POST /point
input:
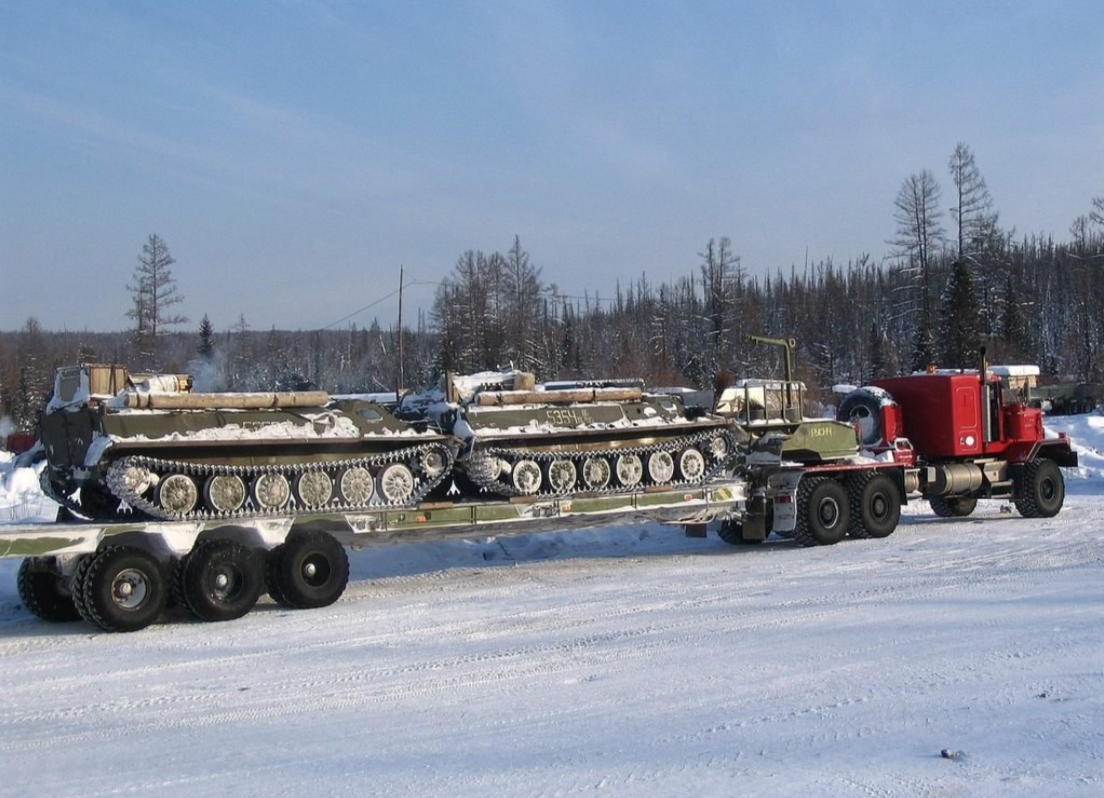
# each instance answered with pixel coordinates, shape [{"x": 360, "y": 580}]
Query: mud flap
[
  {"x": 755, "y": 523},
  {"x": 695, "y": 530}
]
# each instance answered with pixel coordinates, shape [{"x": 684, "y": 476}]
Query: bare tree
[
  {"x": 980, "y": 240},
  {"x": 919, "y": 231},
  {"x": 34, "y": 374},
  {"x": 722, "y": 281},
  {"x": 919, "y": 237},
  {"x": 973, "y": 210},
  {"x": 523, "y": 300},
  {"x": 153, "y": 292},
  {"x": 1096, "y": 215}
]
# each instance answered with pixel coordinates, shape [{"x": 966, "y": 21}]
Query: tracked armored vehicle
[
  {"x": 770, "y": 411},
  {"x": 588, "y": 437},
  {"x": 120, "y": 444}
]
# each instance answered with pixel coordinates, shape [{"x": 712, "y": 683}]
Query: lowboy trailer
[{"x": 121, "y": 576}]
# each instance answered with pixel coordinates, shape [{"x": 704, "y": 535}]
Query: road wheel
[
  {"x": 823, "y": 512},
  {"x": 562, "y": 475},
  {"x": 396, "y": 483},
  {"x": 219, "y": 580},
  {"x": 630, "y": 470},
  {"x": 661, "y": 467},
  {"x": 875, "y": 505},
  {"x": 596, "y": 473},
  {"x": 952, "y": 506},
  {"x": 224, "y": 493},
  {"x": 526, "y": 477},
  {"x": 43, "y": 591},
  {"x": 356, "y": 485},
  {"x": 1042, "y": 489},
  {"x": 122, "y": 589},
  {"x": 312, "y": 489},
  {"x": 270, "y": 492},
  {"x": 177, "y": 494},
  {"x": 309, "y": 570},
  {"x": 692, "y": 465}
]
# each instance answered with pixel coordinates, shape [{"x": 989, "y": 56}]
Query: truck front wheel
[
  {"x": 823, "y": 512},
  {"x": 1042, "y": 491}
]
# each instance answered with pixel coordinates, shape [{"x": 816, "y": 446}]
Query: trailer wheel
[
  {"x": 1042, "y": 489},
  {"x": 309, "y": 570},
  {"x": 43, "y": 592},
  {"x": 875, "y": 505},
  {"x": 271, "y": 568},
  {"x": 122, "y": 589},
  {"x": 823, "y": 512},
  {"x": 952, "y": 506},
  {"x": 219, "y": 580},
  {"x": 76, "y": 582}
]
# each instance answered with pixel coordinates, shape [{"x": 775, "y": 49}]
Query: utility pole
[{"x": 401, "y": 376}]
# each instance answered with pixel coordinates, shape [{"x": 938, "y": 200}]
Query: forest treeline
[{"x": 938, "y": 298}]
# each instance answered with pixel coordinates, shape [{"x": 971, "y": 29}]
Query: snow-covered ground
[{"x": 627, "y": 660}]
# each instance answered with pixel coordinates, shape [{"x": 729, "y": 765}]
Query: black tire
[
  {"x": 122, "y": 589},
  {"x": 862, "y": 408},
  {"x": 272, "y": 583},
  {"x": 952, "y": 506},
  {"x": 44, "y": 593},
  {"x": 732, "y": 533},
  {"x": 823, "y": 512},
  {"x": 1042, "y": 490},
  {"x": 308, "y": 570},
  {"x": 219, "y": 580},
  {"x": 875, "y": 505},
  {"x": 76, "y": 583}
]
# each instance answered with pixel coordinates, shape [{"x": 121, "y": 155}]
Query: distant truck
[{"x": 1058, "y": 399}]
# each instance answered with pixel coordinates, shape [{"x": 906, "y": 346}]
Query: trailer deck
[{"x": 690, "y": 507}]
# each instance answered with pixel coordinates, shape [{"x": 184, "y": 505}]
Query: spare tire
[{"x": 863, "y": 408}]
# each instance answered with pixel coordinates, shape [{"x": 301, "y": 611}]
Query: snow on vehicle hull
[{"x": 177, "y": 455}]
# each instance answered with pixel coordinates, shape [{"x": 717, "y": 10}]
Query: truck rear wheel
[
  {"x": 823, "y": 512},
  {"x": 952, "y": 506},
  {"x": 219, "y": 580},
  {"x": 875, "y": 505},
  {"x": 122, "y": 589},
  {"x": 1042, "y": 489},
  {"x": 42, "y": 591},
  {"x": 308, "y": 570}
]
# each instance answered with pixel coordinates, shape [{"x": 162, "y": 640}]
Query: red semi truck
[{"x": 948, "y": 437}]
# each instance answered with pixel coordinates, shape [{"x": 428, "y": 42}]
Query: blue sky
[{"x": 293, "y": 154}]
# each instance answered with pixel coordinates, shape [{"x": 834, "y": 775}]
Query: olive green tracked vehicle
[
  {"x": 770, "y": 411},
  {"x": 124, "y": 444},
  {"x": 584, "y": 437}
]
